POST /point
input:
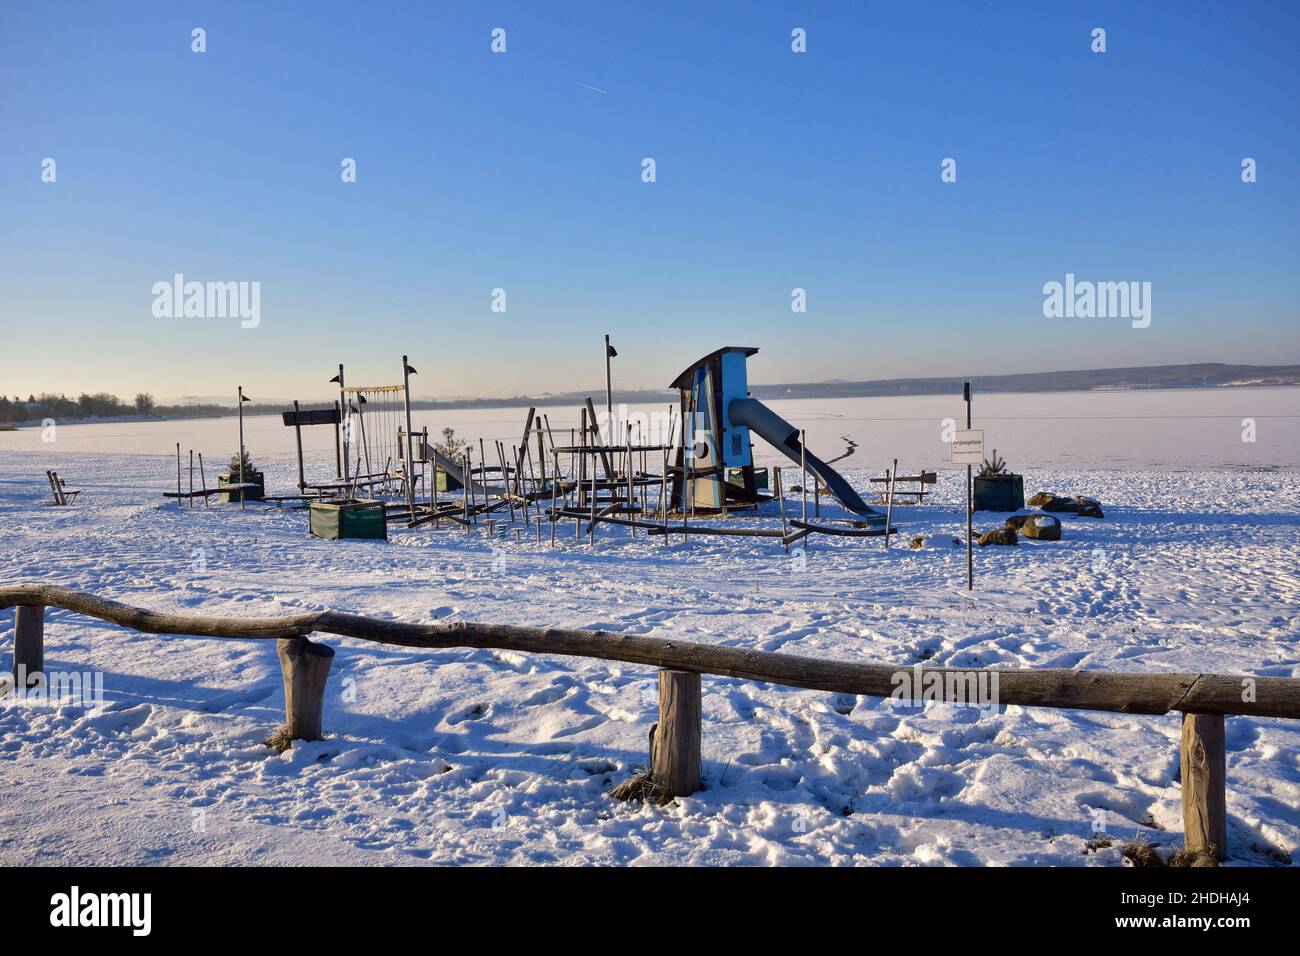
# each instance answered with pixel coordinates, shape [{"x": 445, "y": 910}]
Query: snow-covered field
[{"x": 482, "y": 757}]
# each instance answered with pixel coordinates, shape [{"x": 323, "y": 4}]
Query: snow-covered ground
[{"x": 467, "y": 756}]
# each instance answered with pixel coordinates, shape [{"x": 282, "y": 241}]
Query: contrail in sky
[{"x": 585, "y": 86}]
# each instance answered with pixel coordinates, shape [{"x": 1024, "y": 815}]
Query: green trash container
[
  {"x": 999, "y": 493},
  {"x": 335, "y": 518},
  {"x": 250, "y": 478}
]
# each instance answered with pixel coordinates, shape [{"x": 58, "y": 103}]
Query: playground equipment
[
  {"x": 662, "y": 479},
  {"x": 297, "y": 418},
  {"x": 228, "y": 490},
  {"x": 368, "y": 423},
  {"x": 712, "y": 469},
  {"x": 372, "y": 419},
  {"x": 242, "y": 483},
  {"x": 715, "y": 401}
]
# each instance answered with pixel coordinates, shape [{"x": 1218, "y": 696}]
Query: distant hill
[{"x": 1207, "y": 375}]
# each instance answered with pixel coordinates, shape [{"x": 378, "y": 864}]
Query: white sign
[{"x": 968, "y": 447}]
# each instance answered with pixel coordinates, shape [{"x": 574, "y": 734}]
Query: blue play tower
[{"x": 715, "y": 400}]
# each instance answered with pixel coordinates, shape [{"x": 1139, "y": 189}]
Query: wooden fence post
[
  {"x": 305, "y": 666},
  {"x": 675, "y": 757},
  {"x": 1203, "y": 759},
  {"x": 29, "y": 644}
]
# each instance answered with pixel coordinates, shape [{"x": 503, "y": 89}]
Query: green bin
[
  {"x": 999, "y": 493},
  {"x": 250, "y": 478},
  {"x": 336, "y": 518}
]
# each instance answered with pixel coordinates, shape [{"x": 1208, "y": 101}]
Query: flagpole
[
  {"x": 609, "y": 388},
  {"x": 343, "y": 407},
  {"x": 241, "y": 447},
  {"x": 406, "y": 395}
]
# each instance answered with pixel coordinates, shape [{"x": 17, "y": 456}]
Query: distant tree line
[
  {"x": 60, "y": 407},
  {"x": 14, "y": 409}
]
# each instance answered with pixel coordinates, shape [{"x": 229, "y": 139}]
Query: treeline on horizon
[{"x": 35, "y": 408}]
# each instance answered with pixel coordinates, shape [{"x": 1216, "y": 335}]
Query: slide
[
  {"x": 784, "y": 437},
  {"x": 455, "y": 471}
]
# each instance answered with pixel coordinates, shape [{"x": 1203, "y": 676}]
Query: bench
[
  {"x": 63, "y": 495},
  {"x": 918, "y": 493}
]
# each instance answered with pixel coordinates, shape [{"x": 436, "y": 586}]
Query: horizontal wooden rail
[
  {"x": 1056, "y": 688},
  {"x": 1203, "y": 699}
]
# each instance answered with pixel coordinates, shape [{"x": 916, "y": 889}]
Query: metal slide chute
[
  {"x": 457, "y": 473},
  {"x": 781, "y": 435}
]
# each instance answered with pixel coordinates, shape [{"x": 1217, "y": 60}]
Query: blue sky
[{"x": 775, "y": 170}]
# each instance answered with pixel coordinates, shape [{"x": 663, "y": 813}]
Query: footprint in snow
[
  {"x": 549, "y": 695},
  {"x": 223, "y": 701},
  {"x": 472, "y": 712},
  {"x": 120, "y": 721}
]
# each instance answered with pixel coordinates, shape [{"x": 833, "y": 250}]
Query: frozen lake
[{"x": 1157, "y": 430}]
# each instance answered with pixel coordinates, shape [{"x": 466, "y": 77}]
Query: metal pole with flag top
[
  {"x": 242, "y": 398},
  {"x": 342, "y": 467},
  {"x": 610, "y": 352},
  {"x": 407, "y": 372}
]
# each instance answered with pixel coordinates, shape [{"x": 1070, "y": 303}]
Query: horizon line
[{"x": 1293, "y": 369}]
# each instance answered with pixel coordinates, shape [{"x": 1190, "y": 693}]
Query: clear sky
[{"x": 523, "y": 171}]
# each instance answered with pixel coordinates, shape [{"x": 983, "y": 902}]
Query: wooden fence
[{"x": 1203, "y": 699}]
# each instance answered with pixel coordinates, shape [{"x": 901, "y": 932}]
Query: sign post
[
  {"x": 968, "y": 449},
  {"x": 970, "y": 534},
  {"x": 312, "y": 416}
]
